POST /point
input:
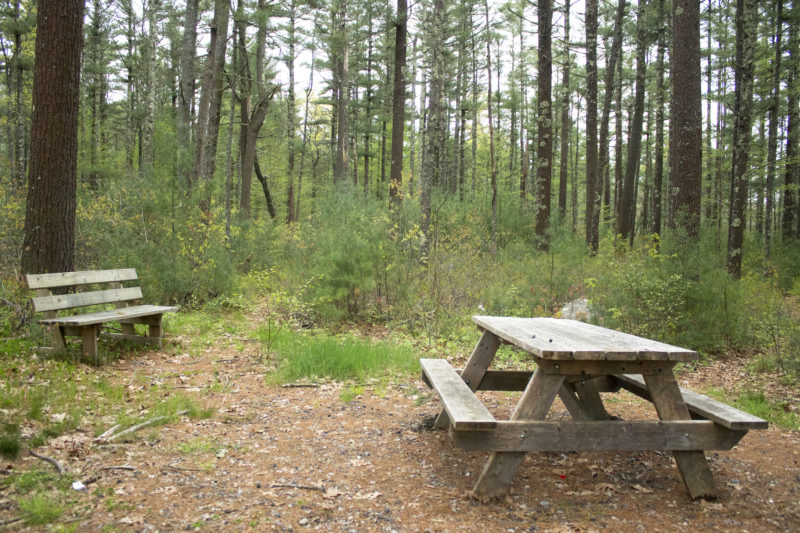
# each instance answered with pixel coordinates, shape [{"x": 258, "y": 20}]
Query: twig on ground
[
  {"x": 137, "y": 427},
  {"x": 50, "y": 460},
  {"x": 9, "y": 521},
  {"x": 186, "y": 468},
  {"x": 226, "y": 360},
  {"x": 300, "y": 385},
  {"x": 297, "y": 486},
  {"x": 121, "y": 467},
  {"x": 110, "y": 431}
]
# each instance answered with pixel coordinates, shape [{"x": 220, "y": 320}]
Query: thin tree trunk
[
  {"x": 746, "y": 27},
  {"x": 544, "y": 152},
  {"x": 658, "y": 171},
  {"x": 625, "y": 224},
  {"x": 592, "y": 181},
  {"x": 186, "y": 93},
  {"x": 566, "y": 126},
  {"x": 492, "y": 162}
]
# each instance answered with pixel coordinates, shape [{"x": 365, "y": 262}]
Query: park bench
[
  {"x": 578, "y": 361},
  {"x": 87, "y": 325}
]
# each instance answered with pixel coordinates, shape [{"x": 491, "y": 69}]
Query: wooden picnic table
[{"x": 578, "y": 361}]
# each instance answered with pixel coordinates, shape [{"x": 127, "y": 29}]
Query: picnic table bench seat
[
  {"x": 578, "y": 361},
  {"x": 87, "y": 324}
]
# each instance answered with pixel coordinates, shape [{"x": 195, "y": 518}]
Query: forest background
[{"x": 406, "y": 159}]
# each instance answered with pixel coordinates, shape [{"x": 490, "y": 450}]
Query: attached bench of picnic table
[
  {"x": 88, "y": 325},
  {"x": 578, "y": 361}
]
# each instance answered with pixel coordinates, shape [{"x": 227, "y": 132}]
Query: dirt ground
[{"x": 303, "y": 458}]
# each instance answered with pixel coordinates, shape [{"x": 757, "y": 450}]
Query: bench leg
[
  {"x": 692, "y": 465},
  {"x": 475, "y": 368},
  {"x": 534, "y": 404},
  {"x": 155, "y": 330},
  {"x": 56, "y": 336},
  {"x": 89, "y": 336}
]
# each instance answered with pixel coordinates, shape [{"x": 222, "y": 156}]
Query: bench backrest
[{"x": 46, "y": 302}]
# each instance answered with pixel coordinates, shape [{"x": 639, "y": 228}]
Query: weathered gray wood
[
  {"x": 464, "y": 409},
  {"x": 82, "y": 299},
  {"x": 111, "y": 315},
  {"x": 692, "y": 465},
  {"x": 579, "y": 436},
  {"x": 561, "y": 339},
  {"x": 571, "y": 402},
  {"x": 474, "y": 370},
  {"x": 89, "y": 337},
  {"x": 592, "y": 368},
  {"x": 590, "y": 399},
  {"x": 706, "y": 407},
  {"x": 127, "y": 328},
  {"x": 501, "y": 466},
  {"x": 54, "y": 333},
  {"x": 67, "y": 279}
]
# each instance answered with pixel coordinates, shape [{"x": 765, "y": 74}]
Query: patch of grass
[
  {"x": 350, "y": 393},
  {"x": 40, "y": 509},
  {"x": 756, "y": 403},
  {"x": 10, "y": 444},
  {"x": 200, "y": 446},
  {"x": 339, "y": 358},
  {"x": 180, "y": 402}
]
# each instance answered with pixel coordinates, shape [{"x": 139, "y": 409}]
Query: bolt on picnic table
[{"x": 578, "y": 361}]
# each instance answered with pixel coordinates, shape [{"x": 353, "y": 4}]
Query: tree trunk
[
  {"x": 291, "y": 112},
  {"x": 186, "y": 92},
  {"x": 492, "y": 162},
  {"x": 544, "y": 151},
  {"x": 625, "y": 224},
  {"x": 592, "y": 182},
  {"x": 398, "y": 101},
  {"x": 746, "y": 27},
  {"x": 566, "y": 125},
  {"x": 611, "y": 66},
  {"x": 148, "y": 132},
  {"x": 342, "y": 65},
  {"x": 49, "y": 244},
  {"x": 791, "y": 174},
  {"x": 686, "y": 150},
  {"x": 658, "y": 170}
]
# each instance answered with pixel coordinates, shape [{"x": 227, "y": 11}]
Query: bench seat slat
[
  {"x": 81, "y": 299},
  {"x": 699, "y": 404},
  {"x": 465, "y": 410},
  {"x": 85, "y": 277},
  {"x": 108, "y": 316}
]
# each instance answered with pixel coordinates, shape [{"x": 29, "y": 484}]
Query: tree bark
[
  {"x": 49, "y": 244},
  {"x": 592, "y": 182},
  {"x": 686, "y": 150},
  {"x": 658, "y": 170},
  {"x": 186, "y": 92},
  {"x": 566, "y": 124},
  {"x": 398, "y": 101},
  {"x": 544, "y": 151},
  {"x": 746, "y": 27},
  {"x": 625, "y": 223}
]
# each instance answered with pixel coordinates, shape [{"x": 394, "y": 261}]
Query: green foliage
[
  {"x": 40, "y": 509},
  {"x": 324, "y": 356},
  {"x": 671, "y": 291}
]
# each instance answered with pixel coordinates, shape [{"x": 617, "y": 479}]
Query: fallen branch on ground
[
  {"x": 297, "y": 486},
  {"x": 50, "y": 460},
  {"x": 137, "y": 427}
]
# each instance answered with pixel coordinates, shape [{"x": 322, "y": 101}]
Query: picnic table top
[{"x": 560, "y": 339}]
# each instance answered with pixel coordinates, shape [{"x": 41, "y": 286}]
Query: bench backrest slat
[
  {"x": 81, "y": 299},
  {"x": 86, "y": 277}
]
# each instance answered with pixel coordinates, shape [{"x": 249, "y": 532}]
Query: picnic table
[{"x": 578, "y": 361}]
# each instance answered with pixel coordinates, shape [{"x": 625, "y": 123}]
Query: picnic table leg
[
  {"x": 692, "y": 465},
  {"x": 475, "y": 368},
  {"x": 590, "y": 399},
  {"x": 534, "y": 404}
]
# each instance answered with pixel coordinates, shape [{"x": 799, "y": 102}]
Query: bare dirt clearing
[{"x": 290, "y": 459}]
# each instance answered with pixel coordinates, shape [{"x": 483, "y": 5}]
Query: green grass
[
  {"x": 756, "y": 403},
  {"x": 324, "y": 356},
  {"x": 40, "y": 509}
]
